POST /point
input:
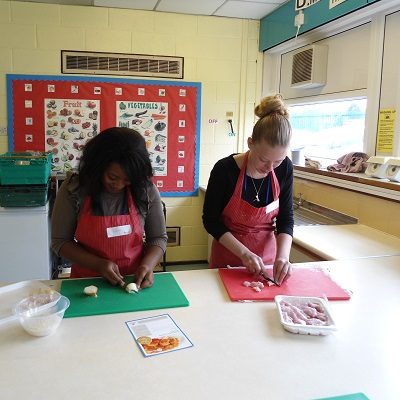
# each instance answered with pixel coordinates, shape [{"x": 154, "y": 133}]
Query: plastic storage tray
[
  {"x": 25, "y": 168},
  {"x": 24, "y": 195},
  {"x": 306, "y": 329}
]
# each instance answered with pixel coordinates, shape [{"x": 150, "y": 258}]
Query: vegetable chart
[{"x": 61, "y": 114}]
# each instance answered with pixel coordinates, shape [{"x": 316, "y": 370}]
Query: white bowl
[{"x": 41, "y": 315}]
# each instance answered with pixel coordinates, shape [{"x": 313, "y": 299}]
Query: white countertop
[
  {"x": 337, "y": 242},
  {"x": 240, "y": 349}
]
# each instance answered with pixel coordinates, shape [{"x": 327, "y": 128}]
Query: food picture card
[{"x": 158, "y": 335}]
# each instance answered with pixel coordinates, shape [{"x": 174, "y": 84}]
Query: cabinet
[{"x": 24, "y": 243}]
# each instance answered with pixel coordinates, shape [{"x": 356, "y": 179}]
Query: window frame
[
  {"x": 328, "y": 99},
  {"x": 376, "y": 16}
]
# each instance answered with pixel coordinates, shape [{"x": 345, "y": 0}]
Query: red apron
[
  {"x": 252, "y": 226},
  {"x": 107, "y": 237}
]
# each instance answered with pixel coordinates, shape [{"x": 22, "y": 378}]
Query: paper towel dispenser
[
  {"x": 377, "y": 167},
  {"x": 393, "y": 169}
]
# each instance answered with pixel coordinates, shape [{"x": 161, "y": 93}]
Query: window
[{"x": 327, "y": 130}]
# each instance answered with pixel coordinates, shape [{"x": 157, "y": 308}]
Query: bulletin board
[{"x": 60, "y": 114}]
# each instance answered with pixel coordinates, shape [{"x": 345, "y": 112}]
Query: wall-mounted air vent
[
  {"x": 309, "y": 67},
  {"x": 78, "y": 62}
]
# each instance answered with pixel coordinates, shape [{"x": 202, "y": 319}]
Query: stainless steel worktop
[{"x": 307, "y": 213}]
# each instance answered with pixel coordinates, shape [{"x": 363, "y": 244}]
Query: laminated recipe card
[{"x": 158, "y": 335}]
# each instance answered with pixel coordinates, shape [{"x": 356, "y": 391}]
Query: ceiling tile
[
  {"x": 244, "y": 9},
  {"x": 252, "y": 9},
  {"x": 62, "y": 2},
  {"x": 201, "y": 7},
  {"x": 275, "y": 2},
  {"x": 134, "y": 4}
]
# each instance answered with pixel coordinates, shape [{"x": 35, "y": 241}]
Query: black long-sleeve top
[{"x": 221, "y": 186}]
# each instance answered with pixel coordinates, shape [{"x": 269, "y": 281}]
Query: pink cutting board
[{"x": 302, "y": 282}]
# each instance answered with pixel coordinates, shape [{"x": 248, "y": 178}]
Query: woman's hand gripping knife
[
  {"x": 255, "y": 265},
  {"x": 252, "y": 262},
  {"x": 110, "y": 271},
  {"x": 79, "y": 255},
  {"x": 144, "y": 276}
]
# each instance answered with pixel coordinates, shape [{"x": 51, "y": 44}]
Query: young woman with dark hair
[{"x": 108, "y": 219}]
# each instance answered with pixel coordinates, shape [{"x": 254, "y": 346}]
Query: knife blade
[{"x": 267, "y": 278}]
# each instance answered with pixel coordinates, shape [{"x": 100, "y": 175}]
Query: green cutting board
[
  {"x": 164, "y": 293},
  {"x": 353, "y": 396}
]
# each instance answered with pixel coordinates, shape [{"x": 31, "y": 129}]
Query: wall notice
[
  {"x": 302, "y": 4},
  {"x": 384, "y": 142},
  {"x": 60, "y": 114}
]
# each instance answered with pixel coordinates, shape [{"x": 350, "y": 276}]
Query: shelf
[{"x": 351, "y": 181}]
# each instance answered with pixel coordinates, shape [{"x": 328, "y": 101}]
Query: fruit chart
[{"x": 60, "y": 114}]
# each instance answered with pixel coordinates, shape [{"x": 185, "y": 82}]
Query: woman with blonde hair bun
[{"x": 248, "y": 206}]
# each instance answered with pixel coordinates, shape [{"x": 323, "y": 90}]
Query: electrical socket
[{"x": 299, "y": 19}]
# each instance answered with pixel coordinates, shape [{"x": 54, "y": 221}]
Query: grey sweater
[{"x": 68, "y": 205}]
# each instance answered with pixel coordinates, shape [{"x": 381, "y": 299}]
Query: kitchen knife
[
  {"x": 126, "y": 286},
  {"x": 262, "y": 273},
  {"x": 267, "y": 278}
]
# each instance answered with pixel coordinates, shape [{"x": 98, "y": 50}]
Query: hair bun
[{"x": 270, "y": 105}]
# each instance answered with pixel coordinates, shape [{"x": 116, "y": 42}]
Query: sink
[{"x": 313, "y": 214}]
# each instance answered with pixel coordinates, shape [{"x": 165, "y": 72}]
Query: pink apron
[
  {"x": 107, "y": 237},
  {"x": 252, "y": 226}
]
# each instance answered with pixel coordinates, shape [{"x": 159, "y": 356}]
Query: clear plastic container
[
  {"x": 41, "y": 315},
  {"x": 12, "y": 294},
  {"x": 312, "y": 325}
]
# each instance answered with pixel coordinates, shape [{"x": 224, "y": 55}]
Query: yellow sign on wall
[{"x": 384, "y": 141}]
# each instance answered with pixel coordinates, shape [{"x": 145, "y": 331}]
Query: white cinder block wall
[{"x": 221, "y": 53}]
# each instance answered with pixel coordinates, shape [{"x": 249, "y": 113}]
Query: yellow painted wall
[
  {"x": 371, "y": 211},
  {"x": 221, "y": 53}
]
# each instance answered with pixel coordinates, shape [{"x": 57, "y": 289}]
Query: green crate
[
  {"x": 25, "y": 168},
  {"x": 24, "y": 195}
]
